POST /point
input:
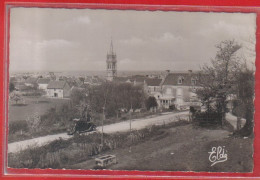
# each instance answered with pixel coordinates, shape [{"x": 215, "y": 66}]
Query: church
[{"x": 111, "y": 64}]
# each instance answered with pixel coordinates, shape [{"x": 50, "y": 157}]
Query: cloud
[
  {"x": 54, "y": 43},
  {"x": 132, "y": 41},
  {"x": 167, "y": 36}
]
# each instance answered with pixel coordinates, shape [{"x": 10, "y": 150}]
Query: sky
[{"x": 51, "y": 39}]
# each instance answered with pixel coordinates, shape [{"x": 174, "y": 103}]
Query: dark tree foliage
[
  {"x": 113, "y": 96},
  {"x": 218, "y": 80},
  {"x": 77, "y": 95},
  {"x": 150, "y": 103},
  {"x": 245, "y": 102},
  {"x": 11, "y": 87}
]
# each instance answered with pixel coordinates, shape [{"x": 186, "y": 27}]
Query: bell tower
[{"x": 111, "y": 63}]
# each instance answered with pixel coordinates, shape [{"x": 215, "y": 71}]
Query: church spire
[{"x": 111, "y": 46}]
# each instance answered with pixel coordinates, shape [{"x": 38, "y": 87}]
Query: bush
[
  {"x": 16, "y": 126},
  {"x": 208, "y": 118}
]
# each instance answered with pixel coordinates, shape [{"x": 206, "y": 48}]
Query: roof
[
  {"x": 43, "y": 81},
  {"x": 121, "y": 79},
  {"x": 153, "y": 82},
  {"x": 56, "y": 84},
  {"x": 138, "y": 78},
  {"x": 31, "y": 80},
  {"x": 172, "y": 78}
]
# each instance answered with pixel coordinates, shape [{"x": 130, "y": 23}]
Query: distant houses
[
  {"x": 58, "y": 89},
  {"x": 43, "y": 83},
  {"x": 30, "y": 81},
  {"x": 170, "y": 89}
]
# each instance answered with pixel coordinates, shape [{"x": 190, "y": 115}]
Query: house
[
  {"x": 179, "y": 89},
  {"x": 31, "y": 81},
  {"x": 152, "y": 85},
  {"x": 58, "y": 89},
  {"x": 93, "y": 80},
  {"x": 43, "y": 83},
  {"x": 137, "y": 80}
]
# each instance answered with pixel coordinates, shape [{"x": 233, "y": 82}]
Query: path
[
  {"x": 233, "y": 120},
  {"x": 112, "y": 128}
]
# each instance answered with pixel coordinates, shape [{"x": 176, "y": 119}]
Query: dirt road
[{"x": 112, "y": 128}]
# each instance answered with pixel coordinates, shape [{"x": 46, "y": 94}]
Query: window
[
  {"x": 193, "y": 81},
  {"x": 180, "y": 80}
]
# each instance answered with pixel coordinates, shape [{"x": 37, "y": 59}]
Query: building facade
[
  {"x": 43, "y": 83},
  {"x": 58, "y": 89},
  {"x": 176, "y": 89},
  {"x": 111, "y": 64},
  {"x": 179, "y": 89}
]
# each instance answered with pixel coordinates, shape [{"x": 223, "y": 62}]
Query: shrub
[
  {"x": 208, "y": 118},
  {"x": 16, "y": 126}
]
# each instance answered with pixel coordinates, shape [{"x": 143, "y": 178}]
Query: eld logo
[{"x": 217, "y": 155}]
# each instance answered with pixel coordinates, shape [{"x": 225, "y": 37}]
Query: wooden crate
[{"x": 106, "y": 160}]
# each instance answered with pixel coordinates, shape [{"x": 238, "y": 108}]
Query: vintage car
[{"x": 81, "y": 126}]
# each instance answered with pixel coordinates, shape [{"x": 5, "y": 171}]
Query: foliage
[
  {"x": 77, "y": 95},
  {"x": 11, "y": 87},
  {"x": 114, "y": 96},
  {"x": 219, "y": 79},
  {"x": 16, "y": 126},
  {"x": 245, "y": 100},
  {"x": 58, "y": 116},
  {"x": 33, "y": 122},
  {"x": 61, "y": 153},
  {"x": 207, "y": 118},
  {"x": 151, "y": 102},
  {"x": 16, "y": 98}
]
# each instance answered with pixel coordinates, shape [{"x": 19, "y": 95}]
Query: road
[
  {"x": 124, "y": 126},
  {"x": 233, "y": 120}
]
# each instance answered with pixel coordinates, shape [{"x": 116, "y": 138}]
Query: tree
[
  {"x": 77, "y": 95},
  {"x": 115, "y": 96},
  {"x": 11, "y": 87},
  {"x": 33, "y": 122},
  {"x": 245, "y": 97},
  {"x": 16, "y": 98},
  {"x": 219, "y": 79},
  {"x": 151, "y": 103}
]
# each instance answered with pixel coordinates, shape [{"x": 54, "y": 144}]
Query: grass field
[
  {"x": 182, "y": 148},
  {"x": 33, "y": 105}
]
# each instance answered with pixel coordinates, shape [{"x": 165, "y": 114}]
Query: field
[
  {"x": 183, "y": 148},
  {"x": 33, "y": 105}
]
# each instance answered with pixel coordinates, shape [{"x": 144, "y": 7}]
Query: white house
[
  {"x": 179, "y": 89},
  {"x": 58, "y": 89},
  {"x": 43, "y": 83},
  {"x": 153, "y": 85}
]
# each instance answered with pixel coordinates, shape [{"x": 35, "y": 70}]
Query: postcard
[{"x": 131, "y": 90}]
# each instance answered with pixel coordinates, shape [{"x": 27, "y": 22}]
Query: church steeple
[
  {"x": 111, "y": 63},
  {"x": 111, "y": 47}
]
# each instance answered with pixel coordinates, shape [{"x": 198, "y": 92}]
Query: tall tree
[
  {"x": 218, "y": 79},
  {"x": 245, "y": 97},
  {"x": 151, "y": 103}
]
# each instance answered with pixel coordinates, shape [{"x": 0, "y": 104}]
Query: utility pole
[
  {"x": 130, "y": 149},
  {"x": 131, "y": 117},
  {"x": 102, "y": 132}
]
